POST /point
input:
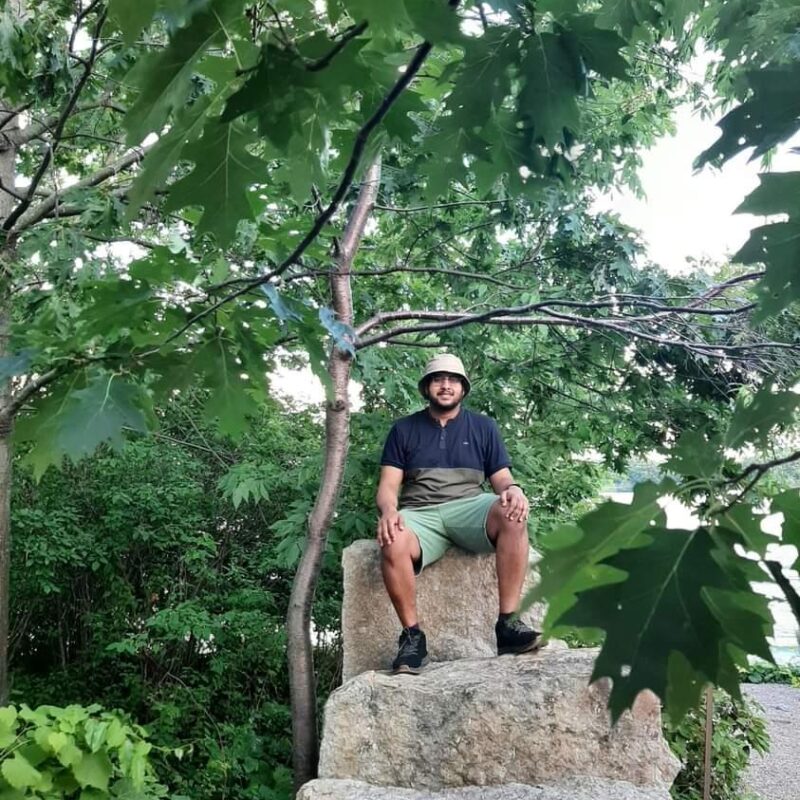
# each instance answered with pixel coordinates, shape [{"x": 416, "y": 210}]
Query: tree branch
[
  {"x": 359, "y": 146},
  {"x": 321, "y": 63},
  {"x": 52, "y": 203},
  {"x": 69, "y": 106}
]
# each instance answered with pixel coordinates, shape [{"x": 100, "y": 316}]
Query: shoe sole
[
  {"x": 405, "y": 669},
  {"x": 532, "y": 647}
]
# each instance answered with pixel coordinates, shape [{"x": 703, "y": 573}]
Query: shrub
[
  {"x": 764, "y": 672},
  {"x": 50, "y": 753},
  {"x": 739, "y": 729}
]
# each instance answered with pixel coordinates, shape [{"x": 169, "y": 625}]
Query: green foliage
[
  {"x": 739, "y": 731},
  {"x": 763, "y": 672},
  {"x": 168, "y": 595},
  {"x": 51, "y": 752},
  {"x": 512, "y": 122}
]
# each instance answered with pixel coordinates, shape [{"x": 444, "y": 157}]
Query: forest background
[{"x": 194, "y": 194}]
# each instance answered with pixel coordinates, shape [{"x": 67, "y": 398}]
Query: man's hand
[
  {"x": 388, "y": 526},
  {"x": 515, "y": 504}
]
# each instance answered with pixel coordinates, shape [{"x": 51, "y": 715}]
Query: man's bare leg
[
  {"x": 510, "y": 538},
  {"x": 397, "y": 566}
]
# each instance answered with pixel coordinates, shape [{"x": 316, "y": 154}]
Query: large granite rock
[
  {"x": 527, "y": 719},
  {"x": 456, "y": 602},
  {"x": 573, "y": 789}
]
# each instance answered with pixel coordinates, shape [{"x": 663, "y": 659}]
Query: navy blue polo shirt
[{"x": 442, "y": 463}]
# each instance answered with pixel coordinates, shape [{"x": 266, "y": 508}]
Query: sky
[{"x": 688, "y": 214}]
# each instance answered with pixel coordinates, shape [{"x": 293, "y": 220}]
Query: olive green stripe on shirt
[{"x": 434, "y": 485}]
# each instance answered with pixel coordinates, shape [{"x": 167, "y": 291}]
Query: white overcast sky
[{"x": 688, "y": 214}]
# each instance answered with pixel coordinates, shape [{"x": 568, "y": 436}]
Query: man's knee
[
  {"x": 498, "y": 525},
  {"x": 404, "y": 547}
]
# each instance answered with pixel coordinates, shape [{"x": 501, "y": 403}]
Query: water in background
[{"x": 785, "y": 643}]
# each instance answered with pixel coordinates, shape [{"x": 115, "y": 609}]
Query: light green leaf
[
  {"x": 93, "y": 770},
  {"x": 19, "y": 772}
]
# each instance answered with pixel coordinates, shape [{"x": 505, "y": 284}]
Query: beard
[{"x": 444, "y": 403}]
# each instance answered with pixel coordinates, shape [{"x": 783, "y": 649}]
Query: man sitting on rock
[{"x": 435, "y": 462}]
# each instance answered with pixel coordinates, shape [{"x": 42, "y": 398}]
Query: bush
[
  {"x": 739, "y": 729},
  {"x": 764, "y": 672},
  {"x": 52, "y": 752}
]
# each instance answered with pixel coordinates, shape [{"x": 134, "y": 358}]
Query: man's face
[{"x": 445, "y": 391}]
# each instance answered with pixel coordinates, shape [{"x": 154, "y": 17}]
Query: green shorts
[{"x": 457, "y": 522}]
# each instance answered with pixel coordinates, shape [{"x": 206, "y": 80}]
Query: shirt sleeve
[
  {"x": 393, "y": 451},
  {"x": 495, "y": 455}
]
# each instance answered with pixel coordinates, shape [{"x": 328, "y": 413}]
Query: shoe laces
[
  {"x": 409, "y": 642},
  {"x": 516, "y": 626}
]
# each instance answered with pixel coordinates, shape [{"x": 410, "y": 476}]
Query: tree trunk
[
  {"x": 337, "y": 431},
  {"x": 8, "y": 176}
]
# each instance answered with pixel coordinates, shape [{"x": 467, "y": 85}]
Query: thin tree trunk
[
  {"x": 337, "y": 432},
  {"x": 8, "y": 176}
]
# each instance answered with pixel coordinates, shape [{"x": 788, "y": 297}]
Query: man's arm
[
  {"x": 390, "y": 521},
  {"x": 512, "y": 498}
]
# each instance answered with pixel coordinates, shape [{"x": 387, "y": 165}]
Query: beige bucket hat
[{"x": 444, "y": 363}]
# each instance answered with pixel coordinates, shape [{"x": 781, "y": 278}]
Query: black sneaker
[
  {"x": 514, "y": 636},
  {"x": 413, "y": 653}
]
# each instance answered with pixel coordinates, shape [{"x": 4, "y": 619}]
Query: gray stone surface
[
  {"x": 456, "y": 602},
  {"x": 515, "y": 719},
  {"x": 576, "y": 789},
  {"x": 776, "y": 775}
]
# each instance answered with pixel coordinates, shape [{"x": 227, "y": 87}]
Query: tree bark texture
[
  {"x": 305, "y": 736},
  {"x": 8, "y": 176}
]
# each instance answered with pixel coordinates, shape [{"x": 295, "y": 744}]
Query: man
[{"x": 430, "y": 496}]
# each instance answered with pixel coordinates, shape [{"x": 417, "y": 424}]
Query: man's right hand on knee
[{"x": 389, "y": 524}]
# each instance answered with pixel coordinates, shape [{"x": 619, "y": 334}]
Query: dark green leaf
[
  {"x": 753, "y": 421},
  {"x": 777, "y": 247},
  {"x": 223, "y": 173},
  {"x": 74, "y": 423},
  {"x": 695, "y": 456},
  {"x": 659, "y": 609},
  {"x": 553, "y": 77},
  {"x": 777, "y": 193},
  {"x": 164, "y": 77},
  {"x": 770, "y": 116},
  {"x": 599, "y": 48}
]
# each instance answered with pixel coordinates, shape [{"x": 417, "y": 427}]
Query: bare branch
[
  {"x": 436, "y": 206},
  {"x": 30, "y": 388},
  {"x": 758, "y": 471}
]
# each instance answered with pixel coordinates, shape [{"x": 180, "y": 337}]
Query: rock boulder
[
  {"x": 574, "y": 789},
  {"x": 456, "y": 601},
  {"x": 528, "y": 719}
]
